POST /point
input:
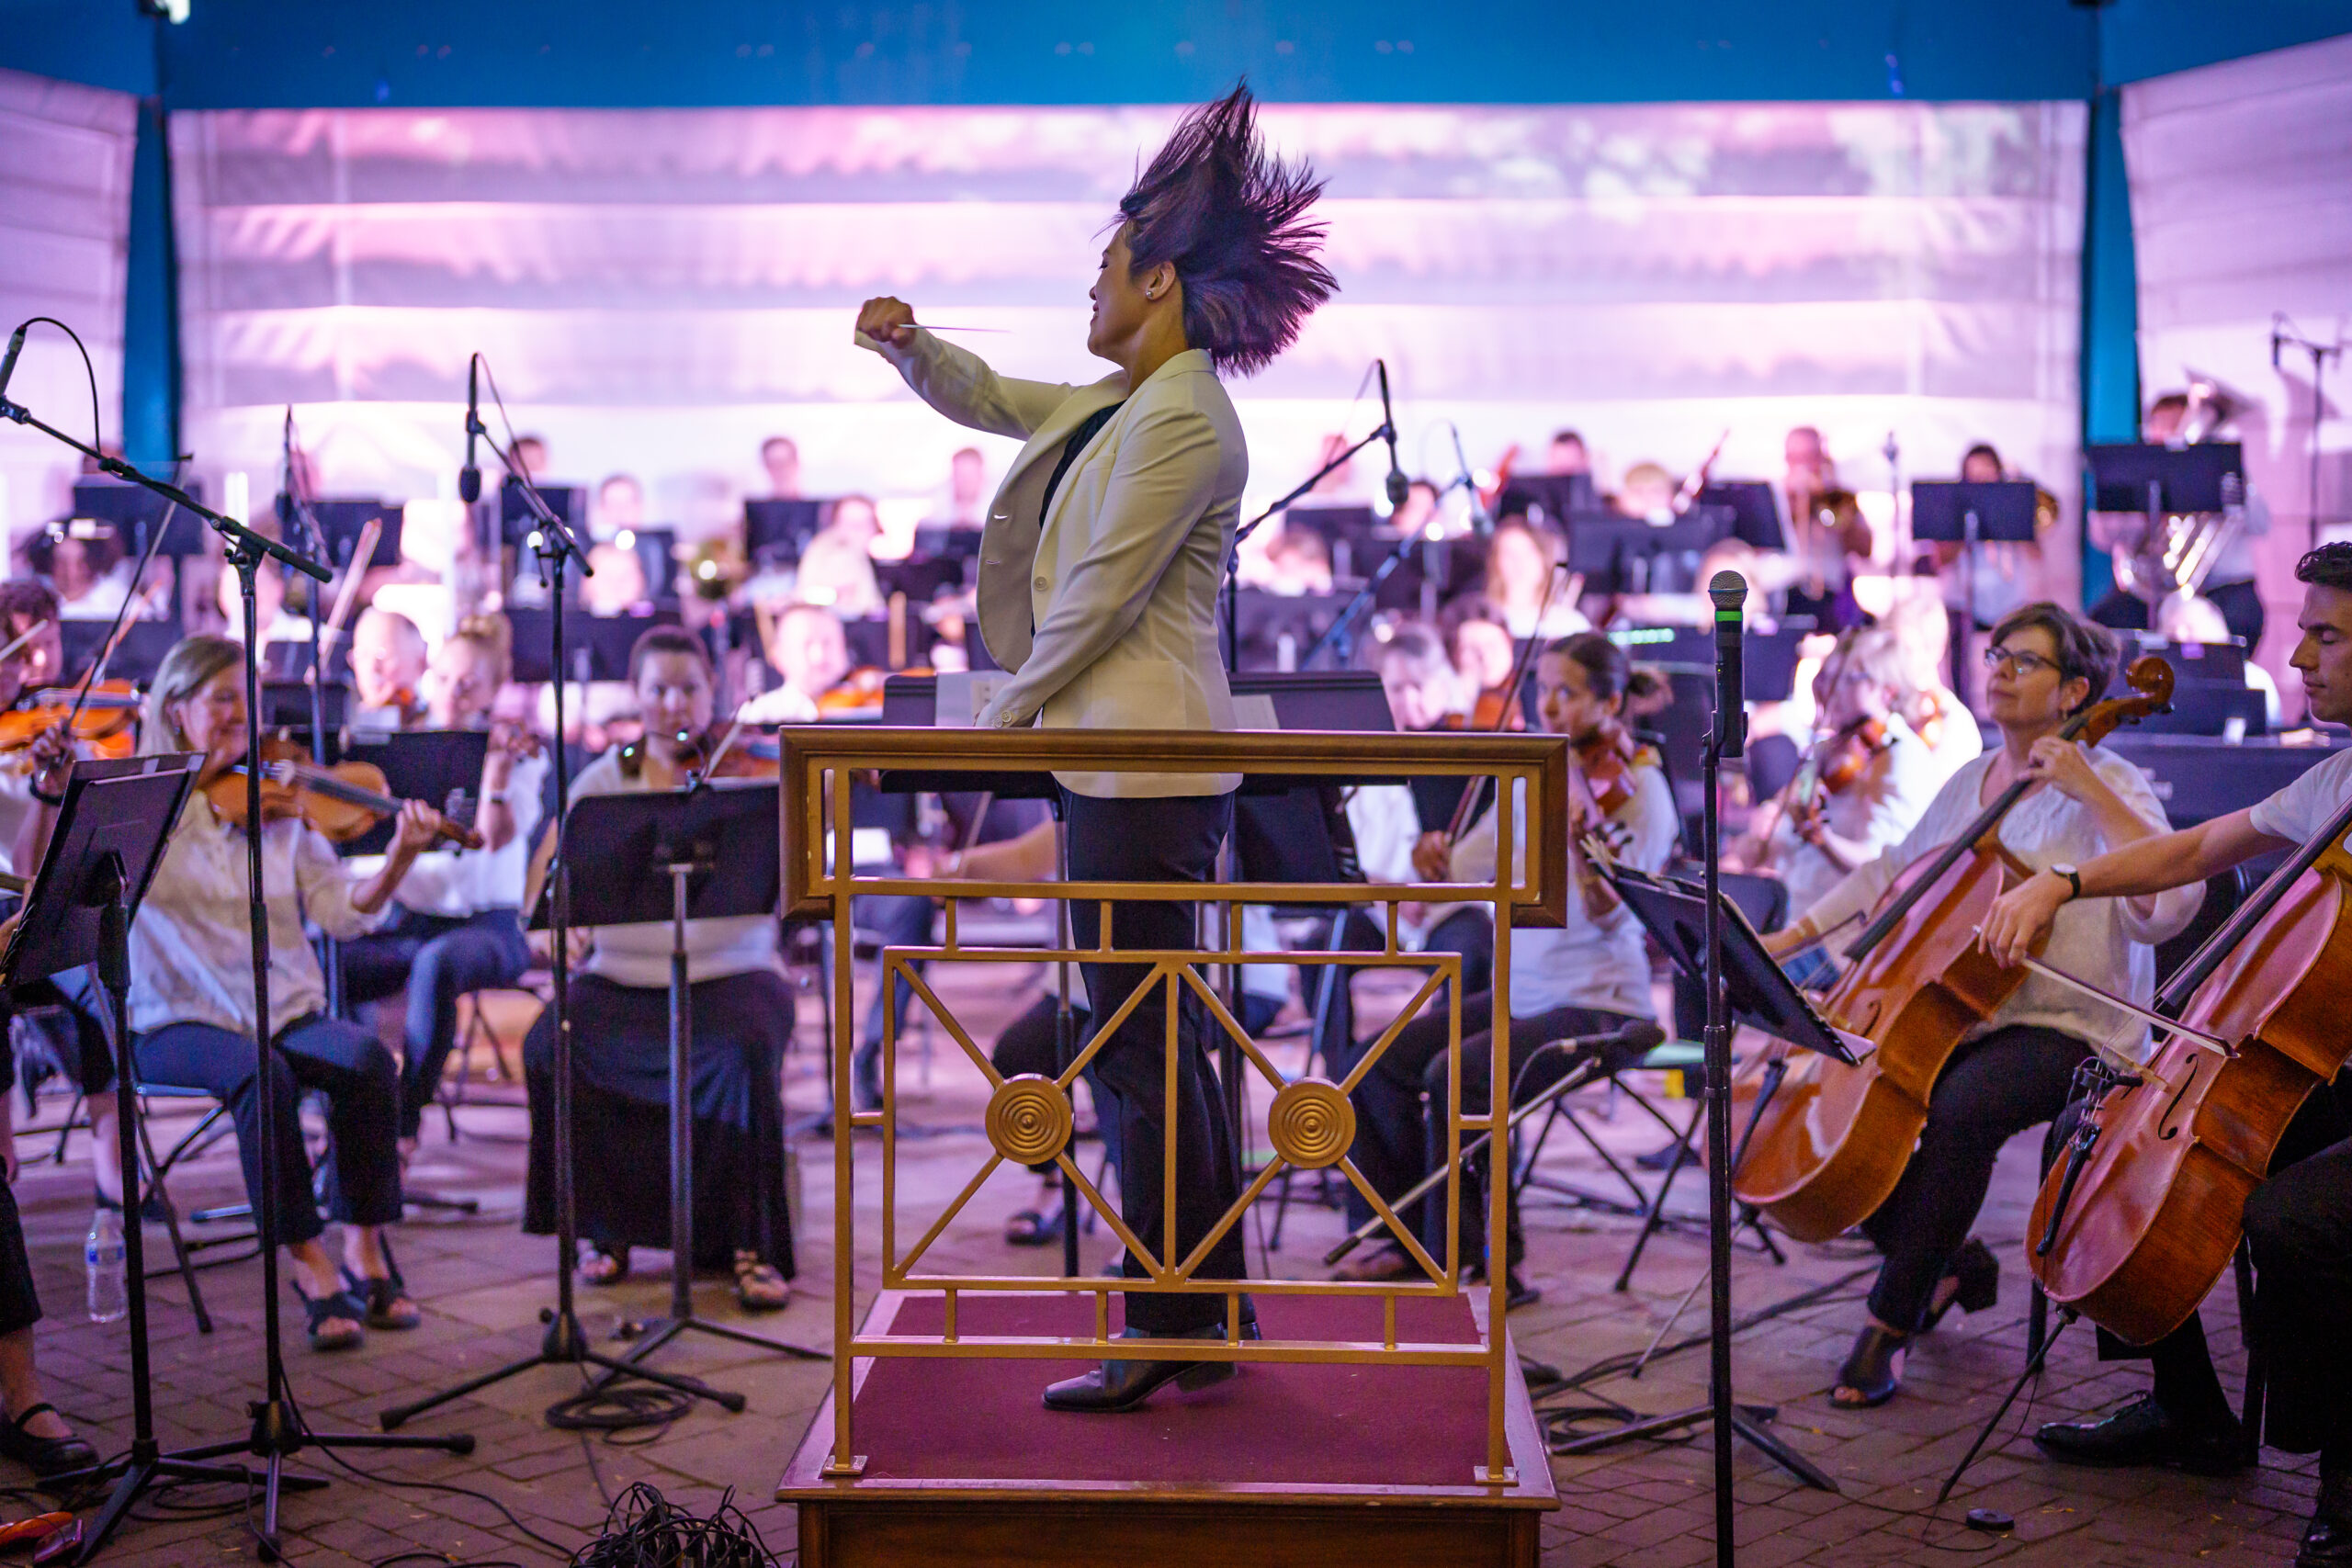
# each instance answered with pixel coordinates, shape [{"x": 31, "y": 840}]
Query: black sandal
[
  {"x": 1978, "y": 1274},
  {"x": 384, "y": 1299},
  {"x": 1871, "y": 1371},
  {"x": 321, "y": 1309},
  {"x": 1030, "y": 1228},
  {"x": 44, "y": 1456},
  {"x": 751, "y": 1273},
  {"x": 620, "y": 1260}
]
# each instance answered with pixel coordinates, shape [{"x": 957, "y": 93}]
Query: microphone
[
  {"x": 1398, "y": 484},
  {"x": 1479, "y": 518},
  {"x": 469, "y": 476},
  {"x": 1729, "y": 591},
  {"x": 16, "y": 346}
]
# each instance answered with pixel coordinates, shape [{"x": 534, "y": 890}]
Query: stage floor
[{"x": 1640, "y": 1506}]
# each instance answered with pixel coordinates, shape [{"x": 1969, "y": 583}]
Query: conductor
[{"x": 1100, "y": 564}]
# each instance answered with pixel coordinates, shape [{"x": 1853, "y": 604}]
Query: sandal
[
  {"x": 759, "y": 1287},
  {"x": 1030, "y": 1228},
  {"x": 1976, "y": 1273},
  {"x": 603, "y": 1266},
  {"x": 387, "y": 1300},
  {"x": 323, "y": 1310},
  {"x": 1873, "y": 1372}
]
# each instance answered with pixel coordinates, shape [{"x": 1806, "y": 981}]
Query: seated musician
[
  {"x": 1566, "y": 453},
  {"x": 1936, "y": 715},
  {"x": 2005, "y": 575},
  {"x": 1521, "y": 560},
  {"x": 615, "y": 583},
  {"x": 2013, "y": 1072},
  {"x": 387, "y": 663},
  {"x": 1826, "y": 534},
  {"x": 192, "y": 997},
  {"x": 84, "y": 564},
  {"x": 2228, "y": 582},
  {"x": 1478, "y": 639},
  {"x": 1870, "y": 778},
  {"x": 456, "y": 924},
  {"x": 2191, "y": 618},
  {"x": 1591, "y": 976},
  {"x": 620, "y": 1032},
  {"x": 1646, "y": 493},
  {"x": 808, "y": 651},
  {"x": 1299, "y": 562},
  {"x": 2299, "y": 1221},
  {"x": 836, "y": 570}
]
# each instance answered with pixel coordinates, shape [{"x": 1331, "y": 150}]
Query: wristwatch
[{"x": 2073, "y": 879}]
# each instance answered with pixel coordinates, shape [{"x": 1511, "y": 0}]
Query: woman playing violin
[
  {"x": 1589, "y": 976},
  {"x": 1865, "y": 783},
  {"x": 455, "y": 927},
  {"x": 620, "y": 1009},
  {"x": 2299, "y": 1223},
  {"x": 2013, "y": 1072},
  {"x": 192, "y": 997}
]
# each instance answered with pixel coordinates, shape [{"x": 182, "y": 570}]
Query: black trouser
[
  {"x": 899, "y": 921},
  {"x": 1992, "y": 1088},
  {"x": 2240, "y": 604},
  {"x": 1027, "y": 1046},
  {"x": 2300, "y": 1227},
  {"x": 1165, "y": 838},
  {"x": 437, "y": 958},
  {"x": 1400, "y": 1140},
  {"x": 1466, "y": 930},
  {"x": 362, "y": 1088}
]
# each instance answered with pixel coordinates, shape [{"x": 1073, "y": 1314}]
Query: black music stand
[
  {"x": 597, "y": 645},
  {"x": 705, "y": 853},
  {"x": 1755, "y": 989},
  {"x": 1754, "y": 511},
  {"x": 110, "y": 833},
  {"x": 439, "y": 767},
  {"x": 1968, "y": 514},
  {"x": 2162, "y": 482}
]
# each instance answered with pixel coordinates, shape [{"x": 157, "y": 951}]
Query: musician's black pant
[
  {"x": 898, "y": 920},
  {"x": 1992, "y": 1088},
  {"x": 436, "y": 959},
  {"x": 2240, "y": 604},
  {"x": 1468, "y": 930},
  {"x": 1160, "y": 839},
  {"x": 2299, "y": 1224},
  {"x": 1400, "y": 1140}
]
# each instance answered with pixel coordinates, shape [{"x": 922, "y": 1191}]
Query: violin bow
[
  {"x": 2196, "y": 1037},
  {"x": 345, "y": 596},
  {"x": 1518, "y": 665},
  {"x": 121, "y": 615}
]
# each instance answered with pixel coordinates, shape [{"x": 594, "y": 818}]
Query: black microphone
[
  {"x": 1729, "y": 591},
  {"x": 469, "y": 476},
  {"x": 1398, "y": 484},
  {"x": 8, "y": 366}
]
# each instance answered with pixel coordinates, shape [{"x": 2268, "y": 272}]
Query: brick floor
[{"x": 1644, "y": 1506}]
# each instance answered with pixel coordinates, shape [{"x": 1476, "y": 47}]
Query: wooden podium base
[{"x": 1285, "y": 1465}]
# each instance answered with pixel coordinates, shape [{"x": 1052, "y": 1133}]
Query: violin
[
  {"x": 2137, "y": 1221},
  {"x": 103, "y": 722},
  {"x": 1496, "y": 711},
  {"x": 341, "y": 802},
  {"x": 713, "y": 754},
  {"x": 1829, "y": 1142}
]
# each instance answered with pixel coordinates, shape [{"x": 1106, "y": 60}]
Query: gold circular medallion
[
  {"x": 1311, "y": 1123},
  {"x": 1029, "y": 1119}
]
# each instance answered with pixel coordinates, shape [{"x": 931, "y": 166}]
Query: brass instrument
[{"x": 2179, "y": 553}]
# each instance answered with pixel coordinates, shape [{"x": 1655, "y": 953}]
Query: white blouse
[
  {"x": 191, "y": 946},
  {"x": 1895, "y": 788},
  {"x": 2103, "y": 940}
]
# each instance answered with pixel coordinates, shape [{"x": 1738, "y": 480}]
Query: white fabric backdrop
[
  {"x": 2242, "y": 205},
  {"x": 658, "y": 290},
  {"x": 64, "y": 231}
]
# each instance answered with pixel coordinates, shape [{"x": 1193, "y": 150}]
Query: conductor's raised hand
[{"x": 888, "y": 320}]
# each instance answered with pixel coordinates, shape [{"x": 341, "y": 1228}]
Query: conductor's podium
[{"x": 1381, "y": 1423}]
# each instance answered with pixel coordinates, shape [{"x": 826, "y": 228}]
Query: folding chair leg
[
  {"x": 57, "y": 1154},
  {"x": 1656, "y": 1217},
  {"x": 134, "y": 1214}
]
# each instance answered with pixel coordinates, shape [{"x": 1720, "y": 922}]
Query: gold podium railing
[{"x": 1310, "y": 1121}]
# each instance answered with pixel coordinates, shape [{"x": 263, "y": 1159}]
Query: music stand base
[
  {"x": 564, "y": 1344},
  {"x": 1747, "y": 1423},
  {"x": 651, "y": 1334}
]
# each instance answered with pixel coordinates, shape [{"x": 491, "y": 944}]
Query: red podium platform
[{"x": 1288, "y": 1463}]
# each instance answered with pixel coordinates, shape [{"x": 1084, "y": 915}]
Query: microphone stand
[
  {"x": 2320, "y": 354},
  {"x": 279, "y": 1430},
  {"x": 565, "y": 1344},
  {"x": 1233, "y": 562}
]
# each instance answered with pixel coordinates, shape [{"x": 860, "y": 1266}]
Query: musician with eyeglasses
[
  {"x": 2299, "y": 1223},
  {"x": 2016, "y": 1070}
]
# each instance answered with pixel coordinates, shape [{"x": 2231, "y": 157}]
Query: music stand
[
  {"x": 1676, "y": 913},
  {"x": 648, "y": 857},
  {"x": 110, "y": 833},
  {"x": 439, "y": 767},
  {"x": 1557, "y": 497},
  {"x": 342, "y": 522},
  {"x": 1754, "y": 511},
  {"x": 1965, "y": 513},
  {"x": 773, "y": 531},
  {"x": 136, "y": 657},
  {"x": 598, "y": 645}
]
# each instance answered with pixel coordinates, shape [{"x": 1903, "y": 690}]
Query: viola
[
  {"x": 2143, "y": 1211},
  {"x": 103, "y": 722},
  {"x": 1829, "y": 1142},
  {"x": 1850, "y": 752},
  {"x": 341, "y": 802}
]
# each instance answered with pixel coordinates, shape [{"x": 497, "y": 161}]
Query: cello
[
  {"x": 2137, "y": 1221},
  {"x": 1829, "y": 1142}
]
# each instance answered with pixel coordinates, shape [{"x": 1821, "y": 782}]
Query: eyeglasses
[{"x": 2023, "y": 663}]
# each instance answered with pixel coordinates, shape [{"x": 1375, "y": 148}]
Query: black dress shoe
[
  {"x": 2327, "y": 1540},
  {"x": 1116, "y": 1387},
  {"x": 43, "y": 1456},
  {"x": 2143, "y": 1432}
]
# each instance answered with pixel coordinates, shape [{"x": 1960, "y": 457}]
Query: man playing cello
[{"x": 2300, "y": 1222}]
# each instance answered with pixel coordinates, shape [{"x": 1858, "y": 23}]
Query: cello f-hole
[{"x": 2166, "y": 1130}]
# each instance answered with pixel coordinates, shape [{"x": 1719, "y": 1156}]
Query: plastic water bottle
[{"x": 102, "y": 1253}]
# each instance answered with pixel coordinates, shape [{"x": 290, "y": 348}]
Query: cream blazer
[{"x": 1105, "y": 609}]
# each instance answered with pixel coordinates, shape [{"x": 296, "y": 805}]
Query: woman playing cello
[
  {"x": 2014, "y": 1070},
  {"x": 2299, "y": 1222}
]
